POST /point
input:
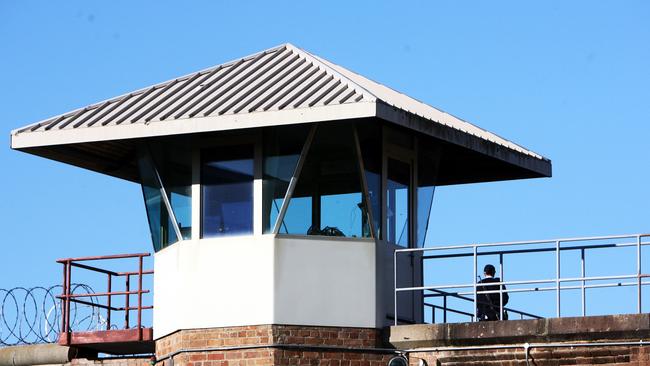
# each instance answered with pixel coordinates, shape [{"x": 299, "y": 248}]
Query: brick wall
[
  {"x": 110, "y": 362},
  {"x": 555, "y": 341},
  {"x": 604, "y": 356},
  {"x": 275, "y": 345}
]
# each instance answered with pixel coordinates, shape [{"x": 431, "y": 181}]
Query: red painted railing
[{"x": 68, "y": 297}]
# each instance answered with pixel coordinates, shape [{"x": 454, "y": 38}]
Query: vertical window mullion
[
  {"x": 258, "y": 188},
  {"x": 413, "y": 237},
  {"x": 384, "y": 196},
  {"x": 196, "y": 193}
]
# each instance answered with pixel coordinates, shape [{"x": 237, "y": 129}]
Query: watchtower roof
[{"x": 279, "y": 86}]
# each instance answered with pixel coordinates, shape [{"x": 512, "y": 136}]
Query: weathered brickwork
[
  {"x": 214, "y": 337},
  {"x": 553, "y": 341},
  {"x": 278, "y": 345},
  {"x": 609, "y": 356},
  {"x": 110, "y": 362},
  {"x": 293, "y": 357},
  {"x": 330, "y": 336},
  {"x": 250, "y": 357}
]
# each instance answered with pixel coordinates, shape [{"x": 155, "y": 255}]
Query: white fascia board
[
  {"x": 525, "y": 159},
  {"x": 194, "y": 125}
]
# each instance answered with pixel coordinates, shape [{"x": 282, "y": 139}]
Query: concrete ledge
[
  {"x": 36, "y": 354},
  {"x": 608, "y": 327}
]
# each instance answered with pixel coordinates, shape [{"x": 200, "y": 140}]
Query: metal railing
[
  {"x": 557, "y": 246},
  {"x": 68, "y": 297},
  {"x": 446, "y": 309}
]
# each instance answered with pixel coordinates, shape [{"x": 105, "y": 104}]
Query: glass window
[
  {"x": 160, "y": 224},
  {"x": 282, "y": 148},
  {"x": 227, "y": 191},
  {"x": 397, "y": 198},
  {"x": 299, "y": 220},
  {"x": 425, "y": 203},
  {"x": 168, "y": 163},
  {"x": 181, "y": 201},
  {"x": 174, "y": 163},
  {"x": 328, "y": 199},
  {"x": 427, "y": 172}
]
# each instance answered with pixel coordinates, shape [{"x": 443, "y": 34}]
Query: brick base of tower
[
  {"x": 598, "y": 340},
  {"x": 264, "y": 345}
]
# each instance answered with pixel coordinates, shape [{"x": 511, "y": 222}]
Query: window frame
[
  {"x": 409, "y": 156},
  {"x": 389, "y": 149},
  {"x": 296, "y": 176},
  {"x": 145, "y": 156}
]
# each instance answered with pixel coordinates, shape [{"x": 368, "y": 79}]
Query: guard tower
[{"x": 277, "y": 187}]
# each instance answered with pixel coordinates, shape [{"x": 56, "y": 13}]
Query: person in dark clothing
[{"x": 488, "y": 306}]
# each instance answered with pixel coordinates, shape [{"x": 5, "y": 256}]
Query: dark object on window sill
[{"x": 326, "y": 231}]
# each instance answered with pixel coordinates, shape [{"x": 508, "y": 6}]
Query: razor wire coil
[{"x": 33, "y": 315}]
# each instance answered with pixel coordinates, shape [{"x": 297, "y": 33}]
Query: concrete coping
[
  {"x": 576, "y": 329},
  {"x": 36, "y": 354}
]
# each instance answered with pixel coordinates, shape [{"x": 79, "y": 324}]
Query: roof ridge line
[
  {"x": 324, "y": 64},
  {"x": 471, "y": 125}
]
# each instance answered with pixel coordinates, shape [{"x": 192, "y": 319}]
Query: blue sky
[{"x": 568, "y": 80}]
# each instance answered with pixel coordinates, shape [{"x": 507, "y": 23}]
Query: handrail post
[
  {"x": 582, "y": 289},
  {"x": 474, "y": 281},
  {"x": 395, "y": 285},
  {"x": 108, "y": 302},
  {"x": 444, "y": 310},
  {"x": 68, "y": 291},
  {"x": 127, "y": 296},
  {"x": 140, "y": 298},
  {"x": 64, "y": 300},
  {"x": 638, "y": 271},
  {"x": 557, "y": 276},
  {"x": 501, "y": 286}
]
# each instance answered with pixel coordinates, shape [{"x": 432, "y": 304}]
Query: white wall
[
  {"x": 325, "y": 282},
  {"x": 263, "y": 280},
  {"x": 213, "y": 283}
]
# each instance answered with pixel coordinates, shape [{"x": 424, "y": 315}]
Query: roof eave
[
  {"x": 193, "y": 125},
  {"x": 538, "y": 165}
]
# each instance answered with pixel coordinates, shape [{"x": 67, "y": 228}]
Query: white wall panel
[
  {"x": 213, "y": 283},
  {"x": 325, "y": 282},
  {"x": 261, "y": 280}
]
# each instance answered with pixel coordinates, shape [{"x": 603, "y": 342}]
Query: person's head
[{"x": 489, "y": 270}]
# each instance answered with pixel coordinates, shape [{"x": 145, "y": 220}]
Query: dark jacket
[{"x": 489, "y": 305}]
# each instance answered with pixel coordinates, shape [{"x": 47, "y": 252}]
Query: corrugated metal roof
[{"x": 281, "y": 78}]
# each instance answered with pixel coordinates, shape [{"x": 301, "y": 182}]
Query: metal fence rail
[
  {"x": 68, "y": 297},
  {"x": 445, "y": 309},
  {"x": 557, "y": 246}
]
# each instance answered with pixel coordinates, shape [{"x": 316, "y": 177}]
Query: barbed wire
[{"x": 33, "y": 315}]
